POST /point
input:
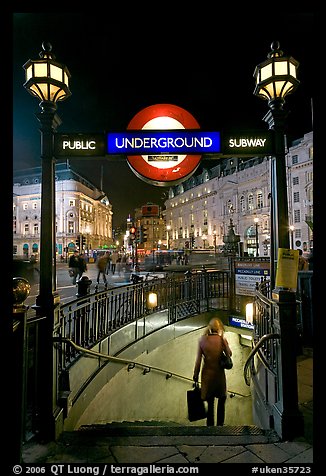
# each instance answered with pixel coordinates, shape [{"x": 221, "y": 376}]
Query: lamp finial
[
  {"x": 46, "y": 50},
  {"x": 276, "y": 52}
]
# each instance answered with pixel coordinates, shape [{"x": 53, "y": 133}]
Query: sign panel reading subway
[
  {"x": 163, "y": 142},
  {"x": 244, "y": 143}
]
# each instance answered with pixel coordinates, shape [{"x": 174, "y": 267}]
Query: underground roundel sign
[{"x": 162, "y": 131}]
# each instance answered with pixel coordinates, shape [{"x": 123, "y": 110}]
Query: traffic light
[
  {"x": 84, "y": 242},
  {"x": 132, "y": 233},
  {"x": 192, "y": 241},
  {"x": 78, "y": 242}
]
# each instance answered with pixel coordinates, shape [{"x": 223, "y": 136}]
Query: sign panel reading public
[{"x": 79, "y": 145}]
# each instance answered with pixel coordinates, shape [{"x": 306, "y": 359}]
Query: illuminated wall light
[
  {"x": 151, "y": 300},
  {"x": 250, "y": 312},
  {"x": 246, "y": 336}
]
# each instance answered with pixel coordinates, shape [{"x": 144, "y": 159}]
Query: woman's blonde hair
[{"x": 215, "y": 325}]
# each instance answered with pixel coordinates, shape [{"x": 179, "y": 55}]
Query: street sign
[
  {"x": 246, "y": 144},
  {"x": 169, "y": 167},
  {"x": 166, "y": 143},
  {"x": 248, "y": 274},
  {"x": 79, "y": 145}
]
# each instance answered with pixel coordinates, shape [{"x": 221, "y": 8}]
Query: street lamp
[
  {"x": 168, "y": 228},
  {"x": 291, "y": 231},
  {"x": 256, "y": 220},
  {"x": 48, "y": 81},
  {"x": 275, "y": 79}
]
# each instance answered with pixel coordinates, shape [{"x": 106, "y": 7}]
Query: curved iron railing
[
  {"x": 88, "y": 320},
  {"x": 133, "y": 363},
  {"x": 256, "y": 350}
]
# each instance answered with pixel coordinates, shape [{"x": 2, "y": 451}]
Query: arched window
[
  {"x": 260, "y": 199},
  {"x": 250, "y": 201},
  {"x": 242, "y": 203}
]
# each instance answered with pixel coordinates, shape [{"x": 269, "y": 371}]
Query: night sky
[{"x": 123, "y": 61}]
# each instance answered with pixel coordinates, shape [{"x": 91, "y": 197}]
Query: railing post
[
  {"x": 21, "y": 289},
  {"x": 288, "y": 420},
  {"x": 205, "y": 286},
  {"x": 232, "y": 305}
]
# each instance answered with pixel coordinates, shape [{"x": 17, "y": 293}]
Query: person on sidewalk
[
  {"x": 303, "y": 264},
  {"x": 114, "y": 259},
  {"x": 82, "y": 265},
  {"x": 213, "y": 380},
  {"x": 101, "y": 264},
  {"x": 73, "y": 265}
]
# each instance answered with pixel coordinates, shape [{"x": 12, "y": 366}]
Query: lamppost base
[{"x": 50, "y": 302}]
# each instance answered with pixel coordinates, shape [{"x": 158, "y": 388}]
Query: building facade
[
  {"x": 198, "y": 211},
  {"x": 83, "y": 213}
]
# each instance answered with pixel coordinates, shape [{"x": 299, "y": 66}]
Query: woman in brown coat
[{"x": 213, "y": 381}]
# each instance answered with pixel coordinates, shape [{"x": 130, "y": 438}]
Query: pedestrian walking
[
  {"x": 73, "y": 265},
  {"x": 101, "y": 264},
  {"x": 114, "y": 259},
  {"x": 303, "y": 264},
  {"x": 108, "y": 264},
  {"x": 82, "y": 265},
  {"x": 213, "y": 381}
]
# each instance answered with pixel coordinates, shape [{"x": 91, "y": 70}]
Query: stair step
[
  {"x": 168, "y": 429},
  {"x": 154, "y": 439}
]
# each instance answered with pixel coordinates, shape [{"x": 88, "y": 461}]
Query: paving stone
[
  {"x": 174, "y": 459},
  {"x": 294, "y": 447},
  {"x": 138, "y": 454},
  {"x": 218, "y": 454},
  {"x": 269, "y": 453},
  {"x": 244, "y": 457},
  {"x": 304, "y": 457},
  {"x": 192, "y": 452}
]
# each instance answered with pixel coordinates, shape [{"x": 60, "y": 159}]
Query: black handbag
[
  {"x": 226, "y": 362},
  {"x": 196, "y": 406}
]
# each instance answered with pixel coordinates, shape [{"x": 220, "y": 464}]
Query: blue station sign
[
  {"x": 157, "y": 142},
  {"x": 242, "y": 323}
]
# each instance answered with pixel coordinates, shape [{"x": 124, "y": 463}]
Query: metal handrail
[
  {"x": 254, "y": 351},
  {"x": 132, "y": 363}
]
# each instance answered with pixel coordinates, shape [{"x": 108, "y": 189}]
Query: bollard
[
  {"x": 83, "y": 286},
  {"x": 136, "y": 278}
]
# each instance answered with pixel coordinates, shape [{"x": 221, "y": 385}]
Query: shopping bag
[{"x": 196, "y": 406}]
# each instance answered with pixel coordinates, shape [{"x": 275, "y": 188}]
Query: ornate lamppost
[
  {"x": 48, "y": 81},
  {"x": 168, "y": 228},
  {"x": 292, "y": 240},
  {"x": 275, "y": 79},
  {"x": 256, "y": 220}
]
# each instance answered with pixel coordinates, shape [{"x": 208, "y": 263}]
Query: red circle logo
[{"x": 163, "y": 170}]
